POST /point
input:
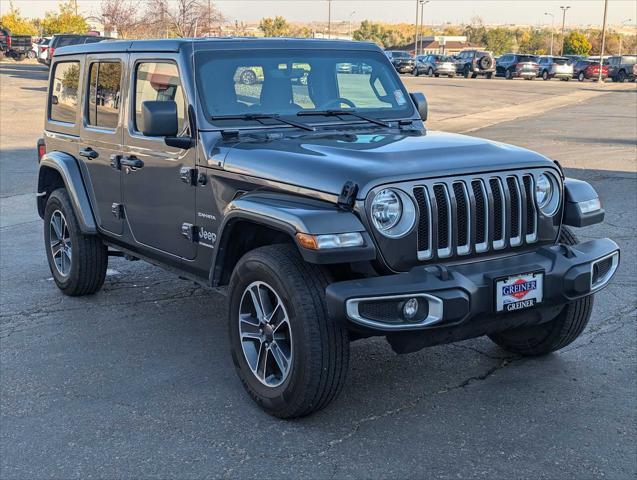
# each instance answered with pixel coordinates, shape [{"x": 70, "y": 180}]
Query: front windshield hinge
[
  {"x": 230, "y": 134},
  {"x": 347, "y": 197}
]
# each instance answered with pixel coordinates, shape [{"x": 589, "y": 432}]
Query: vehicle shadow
[{"x": 30, "y": 72}]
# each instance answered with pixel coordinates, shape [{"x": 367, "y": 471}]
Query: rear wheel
[
  {"x": 78, "y": 262},
  {"x": 581, "y": 76},
  {"x": 555, "y": 334},
  {"x": 508, "y": 74},
  {"x": 621, "y": 76},
  {"x": 415, "y": 72},
  {"x": 291, "y": 358},
  {"x": 31, "y": 54},
  {"x": 430, "y": 72},
  {"x": 466, "y": 72},
  {"x": 545, "y": 75}
]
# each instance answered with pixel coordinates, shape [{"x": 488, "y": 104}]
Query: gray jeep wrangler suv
[{"x": 315, "y": 198}]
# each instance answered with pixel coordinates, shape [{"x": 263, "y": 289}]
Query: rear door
[
  {"x": 158, "y": 201},
  {"x": 101, "y": 137}
]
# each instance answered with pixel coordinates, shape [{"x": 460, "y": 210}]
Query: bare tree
[
  {"x": 119, "y": 16},
  {"x": 183, "y": 18}
]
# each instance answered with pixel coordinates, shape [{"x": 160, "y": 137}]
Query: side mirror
[
  {"x": 159, "y": 119},
  {"x": 421, "y": 104}
]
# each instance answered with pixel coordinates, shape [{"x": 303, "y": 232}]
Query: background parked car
[
  {"x": 622, "y": 67},
  {"x": 64, "y": 40},
  {"x": 555, "y": 67},
  {"x": 15, "y": 46},
  {"x": 512, "y": 65},
  {"x": 402, "y": 61},
  {"x": 475, "y": 62},
  {"x": 587, "y": 69},
  {"x": 43, "y": 49},
  {"x": 434, "y": 65}
]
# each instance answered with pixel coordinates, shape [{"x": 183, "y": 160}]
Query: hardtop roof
[{"x": 223, "y": 43}]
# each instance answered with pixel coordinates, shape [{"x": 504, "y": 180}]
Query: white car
[{"x": 42, "y": 49}]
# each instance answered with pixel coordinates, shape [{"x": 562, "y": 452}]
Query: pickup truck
[{"x": 16, "y": 46}]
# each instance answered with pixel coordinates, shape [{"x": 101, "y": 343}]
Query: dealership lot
[{"x": 137, "y": 381}]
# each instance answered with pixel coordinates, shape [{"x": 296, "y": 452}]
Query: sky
[{"x": 582, "y": 12}]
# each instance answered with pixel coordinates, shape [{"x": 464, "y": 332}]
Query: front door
[
  {"x": 101, "y": 137},
  {"x": 157, "y": 200}
]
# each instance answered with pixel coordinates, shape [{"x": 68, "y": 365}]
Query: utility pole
[
  {"x": 601, "y": 52},
  {"x": 416, "y": 29},
  {"x": 621, "y": 37},
  {"x": 422, "y": 13},
  {"x": 552, "y": 28},
  {"x": 350, "y": 23},
  {"x": 75, "y": 2},
  {"x": 329, "y": 18},
  {"x": 209, "y": 20},
  {"x": 563, "y": 24}
]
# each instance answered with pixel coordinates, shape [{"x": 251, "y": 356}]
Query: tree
[
  {"x": 576, "y": 43},
  {"x": 275, "y": 27},
  {"x": 64, "y": 20},
  {"x": 18, "y": 25},
  {"x": 119, "y": 16},
  {"x": 498, "y": 40},
  {"x": 183, "y": 18}
]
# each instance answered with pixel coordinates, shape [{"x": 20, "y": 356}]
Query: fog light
[{"x": 410, "y": 308}]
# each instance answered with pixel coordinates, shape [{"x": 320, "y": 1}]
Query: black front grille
[
  {"x": 443, "y": 216},
  {"x": 423, "y": 221},
  {"x": 474, "y": 215}
]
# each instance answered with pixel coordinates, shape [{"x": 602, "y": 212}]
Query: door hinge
[
  {"x": 118, "y": 210},
  {"x": 191, "y": 176},
  {"x": 347, "y": 197},
  {"x": 116, "y": 161},
  {"x": 190, "y": 231}
]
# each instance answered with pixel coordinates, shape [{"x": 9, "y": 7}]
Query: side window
[
  {"x": 63, "y": 97},
  {"x": 104, "y": 94},
  {"x": 158, "y": 81}
]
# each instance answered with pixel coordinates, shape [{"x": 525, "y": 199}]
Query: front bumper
[{"x": 463, "y": 296}]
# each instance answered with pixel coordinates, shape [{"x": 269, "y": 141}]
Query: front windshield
[{"x": 288, "y": 82}]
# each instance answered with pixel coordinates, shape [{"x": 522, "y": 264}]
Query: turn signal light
[{"x": 332, "y": 240}]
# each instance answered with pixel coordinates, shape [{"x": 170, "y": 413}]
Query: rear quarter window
[{"x": 64, "y": 92}]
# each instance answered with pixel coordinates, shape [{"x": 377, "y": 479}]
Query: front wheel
[
  {"x": 291, "y": 358},
  {"x": 554, "y": 334},
  {"x": 545, "y": 75},
  {"x": 78, "y": 262},
  {"x": 581, "y": 77},
  {"x": 621, "y": 76},
  {"x": 415, "y": 72},
  {"x": 508, "y": 75}
]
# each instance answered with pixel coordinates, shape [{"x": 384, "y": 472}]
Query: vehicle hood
[{"x": 325, "y": 161}]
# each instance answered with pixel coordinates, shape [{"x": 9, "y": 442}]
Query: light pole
[
  {"x": 350, "y": 23},
  {"x": 621, "y": 36},
  {"x": 552, "y": 28},
  {"x": 563, "y": 23},
  {"x": 422, "y": 13},
  {"x": 601, "y": 52},
  {"x": 329, "y": 18},
  {"x": 416, "y": 29}
]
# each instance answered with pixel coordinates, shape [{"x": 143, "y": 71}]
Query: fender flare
[
  {"x": 68, "y": 169},
  {"x": 290, "y": 215}
]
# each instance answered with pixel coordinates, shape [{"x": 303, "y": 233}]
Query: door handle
[
  {"x": 89, "y": 153},
  {"x": 132, "y": 162}
]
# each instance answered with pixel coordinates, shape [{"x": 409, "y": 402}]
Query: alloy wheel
[
  {"x": 265, "y": 334},
  {"x": 60, "y": 243}
]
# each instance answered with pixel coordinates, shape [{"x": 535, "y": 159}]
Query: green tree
[
  {"x": 18, "y": 25},
  {"x": 576, "y": 43},
  {"x": 370, "y": 32},
  {"x": 499, "y": 40},
  {"x": 64, "y": 20},
  {"x": 275, "y": 27}
]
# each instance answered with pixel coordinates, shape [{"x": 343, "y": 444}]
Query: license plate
[{"x": 517, "y": 292}]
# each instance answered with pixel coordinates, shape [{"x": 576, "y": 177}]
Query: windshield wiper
[
  {"x": 336, "y": 113},
  {"x": 263, "y": 116}
]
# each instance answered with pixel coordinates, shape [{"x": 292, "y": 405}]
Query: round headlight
[
  {"x": 547, "y": 193},
  {"x": 387, "y": 209}
]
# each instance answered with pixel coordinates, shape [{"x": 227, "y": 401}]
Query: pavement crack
[{"x": 409, "y": 405}]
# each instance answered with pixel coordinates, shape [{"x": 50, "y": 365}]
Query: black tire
[
  {"x": 31, "y": 54},
  {"x": 508, "y": 74},
  {"x": 555, "y": 334},
  {"x": 320, "y": 347},
  {"x": 581, "y": 77},
  {"x": 436, "y": 75},
  {"x": 89, "y": 257},
  {"x": 415, "y": 72},
  {"x": 545, "y": 75},
  {"x": 474, "y": 75},
  {"x": 466, "y": 72},
  {"x": 451, "y": 76},
  {"x": 248, "y": 77},
  {"x": 430, "y": 72},
  {"x": 621, "y": 76},
  {"x": 489, "y": 75}
]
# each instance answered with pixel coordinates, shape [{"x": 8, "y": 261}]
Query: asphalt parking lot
[{"x": 136, "y": 381}]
